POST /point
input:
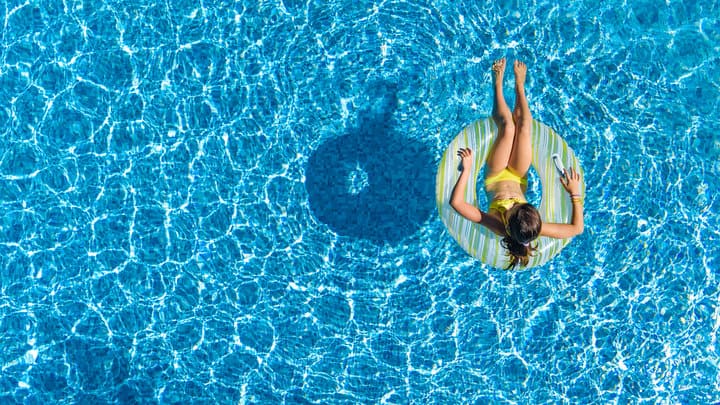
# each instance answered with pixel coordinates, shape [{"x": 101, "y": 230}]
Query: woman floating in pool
[{"x": 509, "y": 214}]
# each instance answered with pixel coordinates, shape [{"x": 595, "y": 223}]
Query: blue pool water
[{"x": 233, "y": 202}]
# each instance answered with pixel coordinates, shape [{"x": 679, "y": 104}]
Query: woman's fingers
[{"x": 573, "y": 174}]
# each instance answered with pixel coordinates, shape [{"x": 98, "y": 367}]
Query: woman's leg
[
  {"x": 499, "y": 155},
  {"x": 521, "y": 155}
]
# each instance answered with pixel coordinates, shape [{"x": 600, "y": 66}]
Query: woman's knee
[
  {"x": 523, "y": 123},
  {"x": 504, "y": 123}
]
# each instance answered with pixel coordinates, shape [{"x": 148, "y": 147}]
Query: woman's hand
[
  {"x": 571, "y": 181},
  {"x": 467, "y": 158}
]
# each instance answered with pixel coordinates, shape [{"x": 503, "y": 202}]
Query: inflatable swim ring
[{"x": 555, "y": 205}]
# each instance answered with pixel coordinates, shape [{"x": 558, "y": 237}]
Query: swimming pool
[{"x": 232, "y": 202}]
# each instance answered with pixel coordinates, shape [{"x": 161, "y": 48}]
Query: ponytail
[{"x": 519, "y": 253}]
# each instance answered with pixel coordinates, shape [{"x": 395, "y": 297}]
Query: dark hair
[{"x": 523, "y": 226}]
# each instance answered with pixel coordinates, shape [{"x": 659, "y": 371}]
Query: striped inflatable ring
[{"x": 555, "y": 206}]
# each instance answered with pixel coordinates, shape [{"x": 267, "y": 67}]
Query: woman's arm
[
  {"x": 457, "y": 199},
  {"x": 571, "y": 182}
]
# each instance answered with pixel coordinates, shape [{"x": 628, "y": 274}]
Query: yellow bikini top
[{"x": 503, "y": 204}]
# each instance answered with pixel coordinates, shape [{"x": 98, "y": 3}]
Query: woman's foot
[{"x": 498, "y": 68}]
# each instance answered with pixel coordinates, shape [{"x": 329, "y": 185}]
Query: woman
[{"x": 509, "y": 214}]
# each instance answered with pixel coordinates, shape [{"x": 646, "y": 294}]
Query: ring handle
[{"x": 558, "y": 164}]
